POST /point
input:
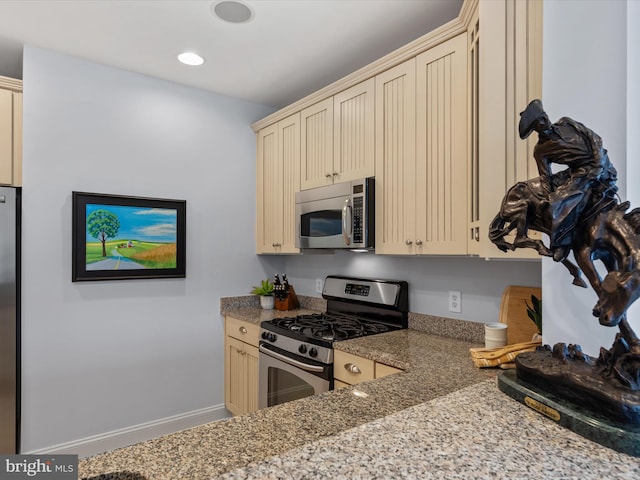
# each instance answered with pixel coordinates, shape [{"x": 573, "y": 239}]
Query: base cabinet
[
  {"x": 240, "y": 366},
  {"x": 349, "y": 369}
]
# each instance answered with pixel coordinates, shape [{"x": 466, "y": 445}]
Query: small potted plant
[
  {"x": 534, "y": 311},
  {"x": 265, "y": 292}
]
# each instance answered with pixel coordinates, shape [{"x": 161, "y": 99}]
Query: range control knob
[
  {"x": 313, "y": 352},
  {"x": 271, "y": 337},
  {"x": 302, "y": 348},
  {"x": 264, "y": 335}
]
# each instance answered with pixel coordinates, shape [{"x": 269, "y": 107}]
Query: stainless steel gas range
[{"x": 296, "y": 353}]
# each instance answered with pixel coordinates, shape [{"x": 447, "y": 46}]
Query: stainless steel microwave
[{"x": 335, "y": 216}]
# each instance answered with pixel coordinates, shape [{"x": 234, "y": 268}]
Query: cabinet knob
[
  {"x": 476, "y": 234},
  {"x": 352, "y": 368},
  {"x": 243, "y": 329},
  {"x": 418, "y": 242},
  {"x": 328, "y": 175},
  {"x": 408, "y": 242},
  {"x": 335, "y": 174}
]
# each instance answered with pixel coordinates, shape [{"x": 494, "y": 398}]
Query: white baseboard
[{"x": 123, "y": 437}]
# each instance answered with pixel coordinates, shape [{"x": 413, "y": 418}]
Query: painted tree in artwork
[{"x": 102, "y": 224}]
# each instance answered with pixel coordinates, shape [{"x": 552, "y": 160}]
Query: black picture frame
[{"x": 135, "y": 237}]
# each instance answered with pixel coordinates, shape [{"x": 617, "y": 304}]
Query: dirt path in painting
[{"x": 115, "y": 262}]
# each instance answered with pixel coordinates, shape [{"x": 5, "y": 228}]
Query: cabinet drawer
[
  {"x": 383, "y": 370},
  {"x": 246, "y": 331},
  {"x": 352, "y": 369}
]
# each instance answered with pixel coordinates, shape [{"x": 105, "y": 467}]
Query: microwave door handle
[{"x": 347, "y": 221}]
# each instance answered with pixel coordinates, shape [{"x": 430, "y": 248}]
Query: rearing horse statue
[{"x": 579, "y": 211}]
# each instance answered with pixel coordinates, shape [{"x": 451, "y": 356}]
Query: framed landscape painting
[{"x": 117, "y": 237}]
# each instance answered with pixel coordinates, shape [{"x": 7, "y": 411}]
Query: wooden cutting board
[{"x": 513, "y": 312}]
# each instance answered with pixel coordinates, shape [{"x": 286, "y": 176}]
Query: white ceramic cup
[{"x": 495, "y": 335}]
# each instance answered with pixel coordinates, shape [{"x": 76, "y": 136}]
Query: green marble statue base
[{"x": 617, "y": 436}]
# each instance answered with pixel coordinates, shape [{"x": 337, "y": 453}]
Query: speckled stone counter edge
[{"x": 443, "y": 326}]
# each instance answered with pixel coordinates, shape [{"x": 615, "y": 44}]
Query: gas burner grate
[{"x": 332, "y": 327}]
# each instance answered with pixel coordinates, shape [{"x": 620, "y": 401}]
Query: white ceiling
[{"x": 288, "y": 50}]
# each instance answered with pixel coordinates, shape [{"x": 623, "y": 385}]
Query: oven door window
[
  {"x": 323, "y": 223},
  {"x": 285, "y": 387}
]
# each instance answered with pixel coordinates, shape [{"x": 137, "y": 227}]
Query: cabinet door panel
[
  {"x": 6, "y": 137},
  {"x": 353, "y": 135},
  {"x": 316, "y": 143},
  {"x": 289, "y": 150},
  {"x": 268, "y": 195},
  {"x": 395, "y": 159},
  {"x": 17, "y": 139},
  {"x": 441, "y": 171},
  {"x": 235, "y": 376},
  {"x": 251, "y": 385},
  {"x": 278, "y": 178}
]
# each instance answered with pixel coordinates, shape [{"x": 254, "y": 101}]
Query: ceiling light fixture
[
  {"x": 191, "y": 58},
  {"x": 232, "y": 11}
]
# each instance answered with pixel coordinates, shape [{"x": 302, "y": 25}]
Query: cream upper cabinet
[
  {"x": 278, "y": 178},
  {"x": 316, "y": 142},
  {"x": 337, "y": 138},
  {"x": 353, "y": 132},
  {"x": 421, "y": 154},
  {"x": 441, "y": 148},
  {"x": 10, "y": 131},
  {"x": 505, "y": 42},
  {"x": 395, "y": 156}
]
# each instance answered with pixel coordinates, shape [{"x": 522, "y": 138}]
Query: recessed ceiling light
[
  {"x": 232, "y": 11},
  {"x": 190, "y": 58}
]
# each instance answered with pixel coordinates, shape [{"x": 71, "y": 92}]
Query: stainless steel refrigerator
[{"x": 9, "y": 320}]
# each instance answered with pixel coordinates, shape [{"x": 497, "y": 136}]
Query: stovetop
[
  {"x": 330, "y": 327},
  {"x": 355, "y": 308}
]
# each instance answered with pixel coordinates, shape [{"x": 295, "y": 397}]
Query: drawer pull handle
[
  {"x": 352, "y": 368},
  {"x": 243, "y": 329}
]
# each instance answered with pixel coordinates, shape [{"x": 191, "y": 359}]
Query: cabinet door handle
[
  {"x": 335, "y": 174},
  {"x": 328, "y": 175},
  {"x": 276, "y": 245},
  {"x": 243, "y": 329},
  {"x": 418, "y": 242},
  {"x": 477, "y": 234},
  {"x": 352, "y": 368},
  {"x": 408, "y": 242}
]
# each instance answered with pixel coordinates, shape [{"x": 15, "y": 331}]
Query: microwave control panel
[{"x": 357, "y": 219}]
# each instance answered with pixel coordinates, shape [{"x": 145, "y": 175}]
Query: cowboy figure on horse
[{"x": 589, "y": 171}]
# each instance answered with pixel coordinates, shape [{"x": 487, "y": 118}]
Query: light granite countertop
[{"x": 441, "y": 418}]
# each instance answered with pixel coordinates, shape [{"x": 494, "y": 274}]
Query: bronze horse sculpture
[{"x": 602, "y": 230}]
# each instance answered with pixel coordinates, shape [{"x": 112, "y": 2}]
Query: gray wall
[
  {"x": 480, "y": 282},
  {"x": 103, "y": 356}
]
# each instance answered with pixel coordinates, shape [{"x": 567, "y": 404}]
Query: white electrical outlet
[
  {"x": 455, "y": 301},
  {"x": 319, "y": 284}
]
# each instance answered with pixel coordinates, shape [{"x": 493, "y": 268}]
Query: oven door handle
[{"x": 291, "y": 361}]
